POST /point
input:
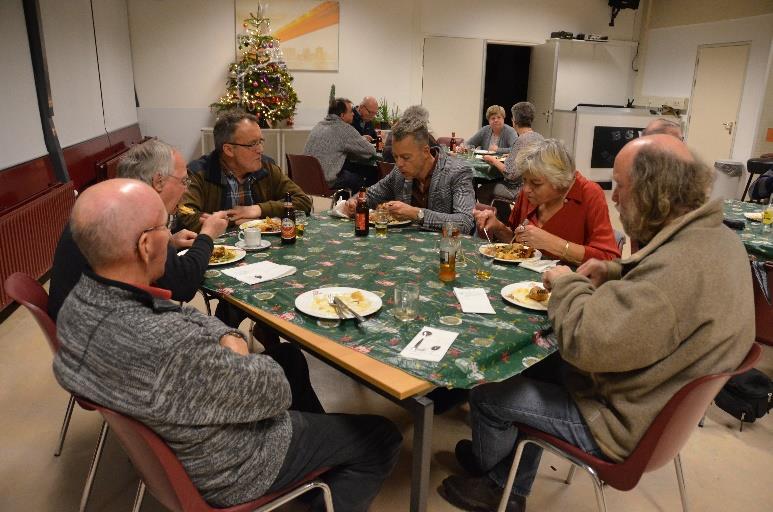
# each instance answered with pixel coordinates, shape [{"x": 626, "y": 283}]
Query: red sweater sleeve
[{"x": 600, "y": 240}]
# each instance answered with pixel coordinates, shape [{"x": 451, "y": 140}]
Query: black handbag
[{"x": 747, "y": 396}]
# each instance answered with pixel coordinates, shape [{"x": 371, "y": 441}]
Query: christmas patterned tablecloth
[
  {"x": 488, "y": 348},
  {"x": 757, "y": 241}
]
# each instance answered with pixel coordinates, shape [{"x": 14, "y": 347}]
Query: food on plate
[
  {"x": 185, "y": 210},
  {"x": 267, "y": 225},
  {"x": 508, "y": 251},
  {"x": 539, "y": 294},
  {"x": 391, "y": 218},
  {"x": 355, "y": 300},
  {"x": 221, "y": 254}
]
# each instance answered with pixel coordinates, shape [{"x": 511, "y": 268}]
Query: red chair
[
  {"x": 165, "y": 477},
  {"x": 659, "y": 445},
  {"x": 307, "y": 173},
  {"x": 763, "y": 310},
  {"x": 384, "y": 168},
  {"x": 28, "y": 292}
]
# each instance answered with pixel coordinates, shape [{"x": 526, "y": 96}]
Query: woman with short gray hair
[
  {"x": 558, "y": 211},
  {"x": 496, "y": 134}
]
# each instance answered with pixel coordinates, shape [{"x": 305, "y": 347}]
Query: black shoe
[
  {"x": 446, "y": 399},
  {"x": 466, "y": 459},
  {"x": 477, "y": 494}
]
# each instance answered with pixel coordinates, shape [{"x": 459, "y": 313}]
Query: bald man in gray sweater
[{"x": 224, "y": 412}]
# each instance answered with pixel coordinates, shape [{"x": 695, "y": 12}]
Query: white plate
[
  {"x": 537, "y": 254},
  {"x": 392, "y": 224},
  {"x": 484, "y": 152},
  {"x": 315, "y": 302},
  {"x": 260, "y": 223},
  {"x": 239, "y": 255},
  {"x": 264, "y": 244},
  {"x": 755, "y": 216},
  {"x": 517, "y": 293}
]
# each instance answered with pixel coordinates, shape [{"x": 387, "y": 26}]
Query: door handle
[{"x": 729, "y": 127}]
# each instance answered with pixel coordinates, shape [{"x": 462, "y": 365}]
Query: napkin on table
[
  {"x": 260, "y": 272},
  {"x": 539, "y": 266},
  {"x": 432, "y": 344},
  {"x": 339, "y": 210},
  {"x": 474, "y": 300}
]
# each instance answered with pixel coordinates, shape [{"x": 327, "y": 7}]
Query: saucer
[{"x": 264, "y": 244}]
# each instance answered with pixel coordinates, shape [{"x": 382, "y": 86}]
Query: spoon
[{"x": 423, "y": 337}]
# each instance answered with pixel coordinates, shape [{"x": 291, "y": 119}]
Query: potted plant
[{"x": 382, "y": 115}]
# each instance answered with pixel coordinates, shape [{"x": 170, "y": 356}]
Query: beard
[{"x": 630, "y": 220}]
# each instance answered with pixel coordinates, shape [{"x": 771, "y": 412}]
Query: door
[
  {"x": 452, "y": 84},
  {"x": 718, "y": 82},
  {"x": 542, "y": 86}
]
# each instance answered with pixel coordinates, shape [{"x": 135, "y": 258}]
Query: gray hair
[
  {"x": 97, "y": 240},
  {"x": 494, "y": 110},
  {"x": 523, "y": 114},
  {"x": 143, "y": 161},
  {"x": 413, "y": 122},
  {"x": 226, "y": 124},
  {"x": 666, "y": 126},
  {"x": 547, "y": 159},
  {"x": 664, "y": 187}
]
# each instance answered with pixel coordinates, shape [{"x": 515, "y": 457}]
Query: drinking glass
[
  {"x": 483, "y": 266},
  {"x": 381, "y": 221},
  {"x": 300, "y": 223},
  {"x": 406, "y": 301}
]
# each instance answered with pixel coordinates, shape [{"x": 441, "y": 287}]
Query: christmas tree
[{"x": 259, "y": 82}]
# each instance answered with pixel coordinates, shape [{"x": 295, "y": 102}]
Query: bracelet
[{"x": 566, "y": 250}]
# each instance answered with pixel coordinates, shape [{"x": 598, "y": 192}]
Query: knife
[{"x": 343, "y": 304}]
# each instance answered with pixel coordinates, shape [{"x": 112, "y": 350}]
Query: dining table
[
  {"x": 487, "y": 347},
  {"x": 758, "y": 242}
]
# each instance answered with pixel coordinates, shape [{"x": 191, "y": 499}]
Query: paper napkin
[
  {"x": 339, "y": 210},
  {"x": 474, "y": 300},
  {"x": 260, "y": 272},
  {"x": 539, "y": 266},
  {"x": 430, "y": 344}
]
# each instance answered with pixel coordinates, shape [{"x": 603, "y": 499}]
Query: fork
[{"x": 336, "y": 307}]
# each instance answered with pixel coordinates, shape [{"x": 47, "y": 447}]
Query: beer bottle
[
  {"x": 288, "y": 221},
  {"x": 379, "y": 143},
  {"x": 452, "y": 142},
  {"x": 361, "y": 214}
]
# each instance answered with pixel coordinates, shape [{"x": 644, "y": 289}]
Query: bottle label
[
  {"x": 361, "y": 221},
  {"x": 288, "y": 228},
  {"x": 445, "y": 257}
]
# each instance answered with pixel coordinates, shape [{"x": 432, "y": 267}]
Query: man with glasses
[
  {"x": 347, "y": 159},
  {"x": 236, "y": 177},
  {"x": 363, "y": 118},
  {"x": 162, "y": 167}
]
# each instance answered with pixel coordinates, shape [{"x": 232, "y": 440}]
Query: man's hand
[
  {"x": 242, "y": 214},
  {"x": 183, "y": 239},
  {"x": 234, "y": 343},
  {"x": 550, "y": 276},
  {"x": 401, "y": 210},
  {"x": 367, "y": 137},
  {"x": 213, "y": 224},
  {"x": 350, "y": 206},
  {"x": 491, "y": 159},
  {"x": 595, "y": 270}
]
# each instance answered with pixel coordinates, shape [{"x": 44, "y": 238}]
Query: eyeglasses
[
  {"x": 251, "y": 146},
  {"x": 167, "y": 226},
  {"x": 371, "y": 112},
  {"x": 186, "y": 181}
]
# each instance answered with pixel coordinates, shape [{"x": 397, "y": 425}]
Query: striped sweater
[{"x": 224, "y": 415}]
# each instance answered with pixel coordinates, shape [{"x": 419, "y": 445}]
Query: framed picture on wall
[{"x": 307, "y": 30}]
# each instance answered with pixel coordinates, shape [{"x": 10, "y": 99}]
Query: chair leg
[
  {"x": 138, "y": 497},
  {"x": 65, "y": 425},
  {"x": 285, "y": 498},
  {"x": 511, "y": 475},
  {"x": 93, "y": 468},
  {"x": 598, "y": 487},
  {"x": 680, "y": 481},
  {"x": 570, "y": 476},
  {"x": 746, "y": 188}
]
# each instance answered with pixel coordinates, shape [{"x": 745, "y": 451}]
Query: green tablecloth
[
  {"x": 488, "y": 348},
  {"x": 757, "y": 242}
]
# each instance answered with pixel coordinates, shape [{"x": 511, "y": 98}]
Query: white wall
[
  {"x": 181, "y": 50},
  {"x": 669, "y": 66},
  {"x": 21, "y": 138}
]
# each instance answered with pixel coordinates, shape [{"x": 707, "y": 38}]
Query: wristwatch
[{"x": 420, "y": 215}]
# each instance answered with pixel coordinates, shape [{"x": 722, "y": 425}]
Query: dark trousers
[
  {"x": 287, "y": 355},
  {"x": 355, "y": 175},
  {"x": 362, "y": 450}
]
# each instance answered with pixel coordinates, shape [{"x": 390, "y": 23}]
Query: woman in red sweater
[{"x": 558, "y": 210}]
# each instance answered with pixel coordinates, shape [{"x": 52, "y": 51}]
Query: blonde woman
[
  {"x": 558, "y": 211},
  {"x": 496, "y": 135}
]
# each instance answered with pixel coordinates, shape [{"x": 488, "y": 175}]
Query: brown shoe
[{"x": 477, "y": 494}]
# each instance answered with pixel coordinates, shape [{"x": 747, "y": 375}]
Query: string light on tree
[{"x": 258, "y": 81}]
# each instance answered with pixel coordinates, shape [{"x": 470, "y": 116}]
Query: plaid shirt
[{"x": 238, "y": 194}]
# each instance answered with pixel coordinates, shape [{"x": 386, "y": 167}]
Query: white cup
[{"x": 250, "y": 236}]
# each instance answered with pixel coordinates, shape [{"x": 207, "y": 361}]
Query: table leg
[{"x": 422, "y": 409}]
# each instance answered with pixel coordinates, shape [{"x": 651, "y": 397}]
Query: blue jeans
[{"x": 546, "y": 406}]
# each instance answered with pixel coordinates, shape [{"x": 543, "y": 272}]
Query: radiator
[{"x": 29, "y": 234}]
